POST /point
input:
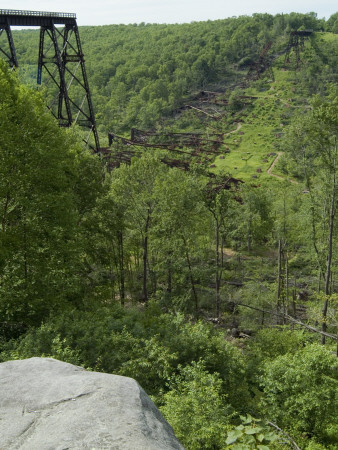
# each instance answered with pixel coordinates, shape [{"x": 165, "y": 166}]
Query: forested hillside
[
  {"x": 198, "y": 253},
  {"x": 141, "y": 73}
]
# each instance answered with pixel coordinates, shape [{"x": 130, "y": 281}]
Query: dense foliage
[
  {"x": 201, "y": 286},
  {"x": 141, "y": 73}
]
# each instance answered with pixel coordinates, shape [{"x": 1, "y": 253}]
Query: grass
[
  {"x": 250, "y": 154},
  {"x": 249, "y": 150},
  {"x": 253, "y": 146}
]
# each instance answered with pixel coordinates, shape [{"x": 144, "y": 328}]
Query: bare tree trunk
[
  {"x": 4, "y": 216},
  {"x": 121, "y": 267},
  {"x": 279, "y": 279},
  {"x": 294, "y": 300},
  {"x": 330, "y": 245},
  {"x": 190, "y": 275},
  {"x": 152, "y": 275},
  {"x": 292, "y": 442},
  {"x": 222, "y": 253},
  {"x": 218, "y": 273},
  {"x": 169, "y": 288},
  {"x": 286, "y": 306},
  {"x": 25, "y": 254},
  {"x": 145, "y": 259},
  {"x": 313, "y": 222},
  {"x": 249, "y": 235},
  {"x": 290, "y": 319}
]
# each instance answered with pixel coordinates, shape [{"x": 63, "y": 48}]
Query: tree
[
  {"x": 332, "y": 23},
  {"x": 133, "y": 189},
  {"x": 256, "y": 221},
  {"x": 312, "y": 141},
  {"x": 288, "y": 232},
  {"x": 196, "y": 408},
  {"x": 106, "y": 229},
  {"x": 40, "y": 252},
  {"x": 179, "y": 230},
  {"x": 218, "y": 202},
  {"x": 302, "y": 397},
  {"x": 326, "y": 116}
]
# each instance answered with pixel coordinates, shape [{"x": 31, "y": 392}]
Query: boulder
[{"x": 49, "y": 404}]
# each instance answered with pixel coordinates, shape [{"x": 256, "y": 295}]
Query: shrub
[
  {"x": 196, "y": 408},
  {"x": 300, "y": 391}
]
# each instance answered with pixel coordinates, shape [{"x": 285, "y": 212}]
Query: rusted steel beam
[
  {"x": 196, "y": 141},
  {"x": 113, "y": 161},
  {"x": 262, "y": 65},
  {"x": 136, "y": 131}
]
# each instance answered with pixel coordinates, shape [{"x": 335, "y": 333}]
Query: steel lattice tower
[{"x": 61, "y": 61}]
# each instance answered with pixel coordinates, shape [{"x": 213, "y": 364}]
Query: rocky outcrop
[{"x": 49, "y": 404}]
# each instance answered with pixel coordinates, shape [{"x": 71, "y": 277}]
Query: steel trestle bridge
[{"x": 60, "y": 60}]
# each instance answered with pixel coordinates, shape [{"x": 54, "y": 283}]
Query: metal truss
[
  {"x": 61, "y": 61},
  {"x": 297, "y": 44},
  {"x": 8, "y": 52}
]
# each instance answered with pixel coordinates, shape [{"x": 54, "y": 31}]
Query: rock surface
[{"x": 49, "y": 404}]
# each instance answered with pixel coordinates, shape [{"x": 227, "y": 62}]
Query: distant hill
[{"x": 185, "y": 77}]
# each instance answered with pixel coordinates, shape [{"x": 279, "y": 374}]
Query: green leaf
[
  {"x": 246, "y": 420},
  {"x": 271, "y": 436},
  {"x": 260, "y": 437},
  {"x": 233, "y": 436},
  {"x": 253, "y": 430}
]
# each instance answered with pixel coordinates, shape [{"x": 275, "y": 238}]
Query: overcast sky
[{"x": 104, "y": 12}]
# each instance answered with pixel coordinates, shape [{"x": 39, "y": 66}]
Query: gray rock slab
[{"x": 49, "y": 404}]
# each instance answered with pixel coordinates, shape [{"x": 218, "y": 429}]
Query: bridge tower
[
  {"x": 61, "y": 62},
  {"x": 297, "y": 44}
]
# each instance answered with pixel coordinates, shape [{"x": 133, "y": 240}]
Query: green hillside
[
  {"x": 142, "y": 75},
  {"x": 198, "y": 253}
]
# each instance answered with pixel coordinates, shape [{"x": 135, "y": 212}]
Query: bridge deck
[
  {"x": 35, "y": 18},
  {"x": 302, "y": 33}
]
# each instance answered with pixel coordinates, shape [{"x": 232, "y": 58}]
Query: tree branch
[
  {"x": 294, "y": 445},
  {"x": 291, "y": 319}
]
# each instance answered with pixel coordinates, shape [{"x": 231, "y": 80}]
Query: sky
[{"x": 106, "y": 12}]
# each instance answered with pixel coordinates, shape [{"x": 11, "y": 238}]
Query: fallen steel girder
[
  {"x": 114, "y": 161},
  {"x": 168, "y": 147},
  {"x": 128, "y": 148},
  {"x": 262, "y": 65},
  {"x": 173, "y": 140}
]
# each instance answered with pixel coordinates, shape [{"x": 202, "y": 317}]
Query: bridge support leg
[
  {"x": 11, "y": 56},
  {"x": 61, "y": 60}
]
